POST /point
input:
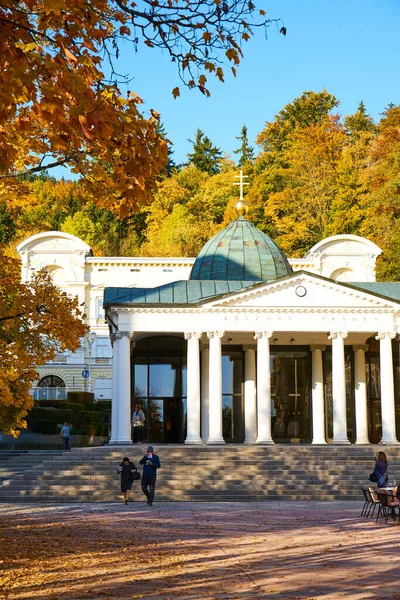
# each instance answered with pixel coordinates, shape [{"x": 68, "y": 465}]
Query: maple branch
[
  {"x": 17, "y": 316},
  {"x": 40, "y": 168}
]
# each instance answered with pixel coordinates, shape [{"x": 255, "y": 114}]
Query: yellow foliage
[{"x": 37, "y": 321}]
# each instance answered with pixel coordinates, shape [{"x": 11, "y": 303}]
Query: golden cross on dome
[{"x": 241, "y": 183}]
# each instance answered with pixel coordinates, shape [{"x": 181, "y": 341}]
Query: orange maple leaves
[
  {"x": 37, "y": 321},
  {"x": 55, "y": 102}
]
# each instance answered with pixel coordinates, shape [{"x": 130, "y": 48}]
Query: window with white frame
[
  {"x": 99, "y": 308},
  {"x": 104, "y": 349}
]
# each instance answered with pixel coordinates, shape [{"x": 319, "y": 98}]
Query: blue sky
[{"x": 349, "y": 47}]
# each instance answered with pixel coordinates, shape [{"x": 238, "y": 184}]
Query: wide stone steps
[{"x": 206, "y": 473}]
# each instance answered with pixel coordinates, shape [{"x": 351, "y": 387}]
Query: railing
[{"x": 49, "y": 393}]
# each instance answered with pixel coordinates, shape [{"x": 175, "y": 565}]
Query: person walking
[
  {"x": 127, "y": 469},
  {"x": 138, "y": 424},
  {"x": 151, "y": 463},
  {"x": 65, "y": 434},
  {"x": 381, "y": 470}
]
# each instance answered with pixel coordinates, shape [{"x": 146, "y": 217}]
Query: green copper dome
[{"x": 241, "y": 252}]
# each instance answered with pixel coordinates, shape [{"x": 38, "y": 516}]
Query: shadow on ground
[{"x": 195, "y": 551}]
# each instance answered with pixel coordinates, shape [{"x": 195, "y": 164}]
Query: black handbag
[
  {"x": 136, "y": 476},
  {"x": 373, "y": 477}
]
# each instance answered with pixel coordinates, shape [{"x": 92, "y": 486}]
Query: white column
[
  {"x": 250, "y": 399},
  {"x": 263, "y": 388},
  {"x": 114, "y": 391},
  {"x": 387, "y": 388},
  {"x": 339, "y": 388},
  {"x": 193, "y": 388},
  {"x": 123, "y": 420},
  {"x": 205, "y": 381},
  {"x": 360, "y": 394},
  {"x": 317, "y": 395},
  {"x": 215, "y": 388}
]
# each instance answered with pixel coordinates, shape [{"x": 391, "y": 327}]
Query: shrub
[
  {"x": 100, "y": 429},
  {"x": 80, "y": 397},
  {"x": 45, "y": 426},
  {"x": 50, "y": 413}
]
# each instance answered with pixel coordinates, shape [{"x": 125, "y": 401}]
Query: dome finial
[
  {"x": 241, "y": 205},
  {"x": 241, "y": 208}
]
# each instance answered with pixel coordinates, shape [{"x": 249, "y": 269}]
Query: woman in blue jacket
[{"x": 381, "y": 470}]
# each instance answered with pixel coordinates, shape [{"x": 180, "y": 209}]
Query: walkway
[{"x": 196, "y": 551}]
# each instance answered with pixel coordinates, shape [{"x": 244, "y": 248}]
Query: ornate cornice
[
  {"x": 300, "y": 280},
  {"x": 100, "y": 261},
  {"x": 251, "y": 310}
]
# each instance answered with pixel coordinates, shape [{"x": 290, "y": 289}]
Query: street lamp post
[{"x": 91, "y": 339}]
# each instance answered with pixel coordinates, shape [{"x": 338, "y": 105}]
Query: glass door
[
  {"x": 290, "y": 396},
  {"x": 232, "y": 403}
]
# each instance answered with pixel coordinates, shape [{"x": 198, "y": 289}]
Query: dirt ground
[{"x": 196, "y": 551}]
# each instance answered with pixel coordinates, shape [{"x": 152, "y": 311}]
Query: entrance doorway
[
  {"x": 290, "y": 374},
  {"x": 232, "y": 399},
  {"x": 159, "y": 385},
  {"x": 165, "y": 423}
]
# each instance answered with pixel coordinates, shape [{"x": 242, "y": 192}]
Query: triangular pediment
[{"x": 303, "y": 291}]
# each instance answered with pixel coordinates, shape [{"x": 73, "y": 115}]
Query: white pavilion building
[{"x": 238, "y": 345}]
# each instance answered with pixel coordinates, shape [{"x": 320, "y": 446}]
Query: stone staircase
[
  {"x": 15, "y": 462},
  {"x": 204, "y": 473}
]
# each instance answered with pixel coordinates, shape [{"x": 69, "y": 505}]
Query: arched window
[{"x": 51, "y": 381}]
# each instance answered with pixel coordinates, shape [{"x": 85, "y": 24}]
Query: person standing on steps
[
  {"x": 65, "y": 434},
  {"x": 151, "y": 463},
  {"x": 138, "y": 424},
  {"x": 381, "y": 470},
  {"x": 127, "y": 469}
]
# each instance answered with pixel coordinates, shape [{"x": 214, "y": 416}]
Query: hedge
[
  {"x": 62, "y": 404},
  {"x": 80, "y": 397},
  {"x": 91, "y": 417},
  {"x": 49, "y": 413},
  {"x": 84, "y": 416},
  {"x": 45, "y": 426},
  {"x": 100, "y": 429}
]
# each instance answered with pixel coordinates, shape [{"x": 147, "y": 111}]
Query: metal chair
[
  {"x": 387, "y": 506},
  {"x": 367, "y": 502},
  {"x": 374, "y": 501}
]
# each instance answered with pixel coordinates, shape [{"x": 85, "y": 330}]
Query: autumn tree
[
  {"x": 381, "y": 206},
  {"x": 347, "y": 209},
  {"x": 61, "y": 104},
  {"x": 245, "y": 151},
  {"x": 37, "y": 321},
  {"x": 359, "y": 123},
  {"x": 204, "y": 156},
  {"x": 308, "y": 109}
]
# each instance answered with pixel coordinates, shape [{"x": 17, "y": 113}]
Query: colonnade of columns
[{"x": 204, "y": 392}]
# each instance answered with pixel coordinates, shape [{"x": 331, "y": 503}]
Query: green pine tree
[
  {"x": 205, "y": 156},
  {"x": 360, "y": 122},
  {"x": 246, "y": 152}
]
